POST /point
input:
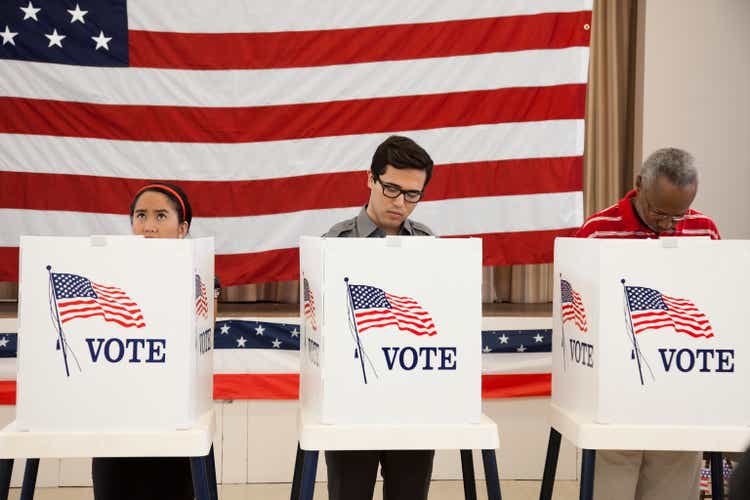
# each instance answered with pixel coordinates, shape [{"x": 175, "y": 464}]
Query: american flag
[
  {"x": 78, "y": 297},
  {"x": 651, "y": 310},
  {"x": 309, "y": 304},
  {"x": 267, "y": 114},
  {"x": 572, "y": 306},
  {"x": 376, "y": 308},
  {"x": 201, "y": 300}
]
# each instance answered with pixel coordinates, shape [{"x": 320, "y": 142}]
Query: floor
[{"x": 440, "y": 490}]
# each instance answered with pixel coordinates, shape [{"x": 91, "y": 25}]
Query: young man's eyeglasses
[{"x": 393, "y": 191}]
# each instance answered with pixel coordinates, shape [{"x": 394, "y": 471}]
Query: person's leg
[
  {"x": 669, "y": 474},
  {"x": 616, "y": 474},
  {"x": 352, "y": 474},
  {"x": 406, "y": 474}
]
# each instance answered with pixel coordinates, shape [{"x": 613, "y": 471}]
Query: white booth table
[
  {"x": 115, "y": 354},
  {"x": 195, "y": 443},
  {"x": 391, "y": 352},
  {"x": 314, "y": 437},
  {"x": 651, "y": 350}
]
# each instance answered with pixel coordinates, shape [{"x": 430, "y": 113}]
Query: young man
[
  {"x": 398, "y": 175},
  {"x": 658, "y": 206}
]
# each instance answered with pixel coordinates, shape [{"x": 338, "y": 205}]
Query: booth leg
[
  {"x": 550, "y": 465},
  {"x": 29, "y": 479},
  {"x": 199, "y": 469},
  {"x": 309, "y": 469},
  {"x": 717, "y": 475},
  {"x": 212, "y": 484},
  {"x": 297, "y": 477},
  {"x": 467, "y": 468},
  {"x": 491, "y": 475},
  {"x": 587, "y": 474},
  {"x": 6, "y": 469}
]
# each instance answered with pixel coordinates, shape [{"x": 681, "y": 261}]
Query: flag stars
[
  {"x": 8, "y": 36},
  {"x": 538, "y": 338},
  {"x": 55, "y": 39},
  {"x": 276, "y": 343},
  {"x": 241, "y": 342},
  {"x": 30, "y": 12},
  {"x": 224, "y": 329},
  {"x": 77, "y": 14},
  {"x": 102, "y": 41},
  {"x": 259, "y": 329}
]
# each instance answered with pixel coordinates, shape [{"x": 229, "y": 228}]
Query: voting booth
[
  {"x": 391, "y": 330},
  {"x": 652, "y": 332},
  {"x": 115, "y": 333}
]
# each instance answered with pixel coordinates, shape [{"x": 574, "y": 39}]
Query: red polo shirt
[{"x": 621, "y": 221}]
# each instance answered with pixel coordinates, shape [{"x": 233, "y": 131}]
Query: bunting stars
[
  {"x": 224, "y": 329},
  {"x": 30, "y": 12},
  {"x": 241, "y": 342},
  {"x": 8, "y": 36},
  {"x": 77, "y": 14},
  {"x": 259, "y": 329},
  {"x": 102, "y": 41},
  {"x": 55, "y": 39},
  {"x": 276, "y": 343}
]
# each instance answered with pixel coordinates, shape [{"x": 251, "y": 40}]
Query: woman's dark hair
[
  {"x": 400, "y": 152},
  {"x": 176, "y": 196}
]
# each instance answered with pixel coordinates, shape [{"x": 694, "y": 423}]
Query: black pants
[
  {"x": 157, "y": 478},
  {"x": 406, "y": 474}
]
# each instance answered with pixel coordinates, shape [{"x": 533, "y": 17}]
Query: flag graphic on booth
[
  {"x": 72, "y": 296},
  {"x": 652, "y": 310},
  {"x": 371, "y": 308},
  {"x": 572, "y": 306},
  {"x": 375, "y": 308},
  {"x": 201, "y": 299},
  {"x": 309, "y": 304}
]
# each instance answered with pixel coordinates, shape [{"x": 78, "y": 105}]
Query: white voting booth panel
[
  {"x": 115, "y": 333},
  {"x": 353, "y": 371},
  {"x": 671, "y": 350}
]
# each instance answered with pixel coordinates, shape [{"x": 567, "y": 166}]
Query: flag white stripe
[
  {"x": 445, "y": 217},
  {"x": 228, "y": 162},
  {"x": 246, "y": 88},
  {"x": 240, "y": 16}
]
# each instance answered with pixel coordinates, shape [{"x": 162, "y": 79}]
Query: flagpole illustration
[
  {"x": 56, "y": 318},
  {"x": 356, "y": 330},
  {"x": 562, "y": 328},
  {"x": 636, "y": 349}
]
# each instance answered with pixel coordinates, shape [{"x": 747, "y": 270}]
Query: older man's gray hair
[{"x": 677, "y": 165}]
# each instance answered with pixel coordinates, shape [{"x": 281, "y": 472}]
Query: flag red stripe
[
  {"x": 686, "y": 321},
  {"x": 368, "y": 315},
  {"x": 258, "y": 197},
  {"x": 66, "y": 303},
  {"x": 285, "y": 386},
  {"x": 291, "y": 121},
  {"x": 156, "y": 49},
  {"x": 401, "y": 327},
  {"x": 499, "y": 249},
  {"x": 65, "y": 313},
  {"x": 106, "y": 318},
  {"x": 377, "y": 322}
]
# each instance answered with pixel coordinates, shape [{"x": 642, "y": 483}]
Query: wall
[{"x": 694, "y": 93}]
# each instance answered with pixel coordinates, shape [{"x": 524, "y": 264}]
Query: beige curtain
[{"x": 608, "y": 159}]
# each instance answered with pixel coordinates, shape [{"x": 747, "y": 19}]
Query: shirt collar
[
  {"x": 630, "y": 218},
  {"x": 367, "y": 228}
]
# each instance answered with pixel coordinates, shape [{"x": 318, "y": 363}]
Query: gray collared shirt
[{"x": 362, "y": 226}]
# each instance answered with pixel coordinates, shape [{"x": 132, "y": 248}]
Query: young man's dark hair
[{"x": 400, "y": 152}]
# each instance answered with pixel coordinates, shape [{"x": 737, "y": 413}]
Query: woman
[{"x": 158, "y": 210}]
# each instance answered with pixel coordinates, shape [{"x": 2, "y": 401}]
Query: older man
[{"x": 658, "y": 206}]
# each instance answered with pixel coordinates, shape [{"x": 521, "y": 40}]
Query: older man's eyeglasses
[
  {"x": 392, "y": 191},
  {"x": 659, "y": 215}
]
